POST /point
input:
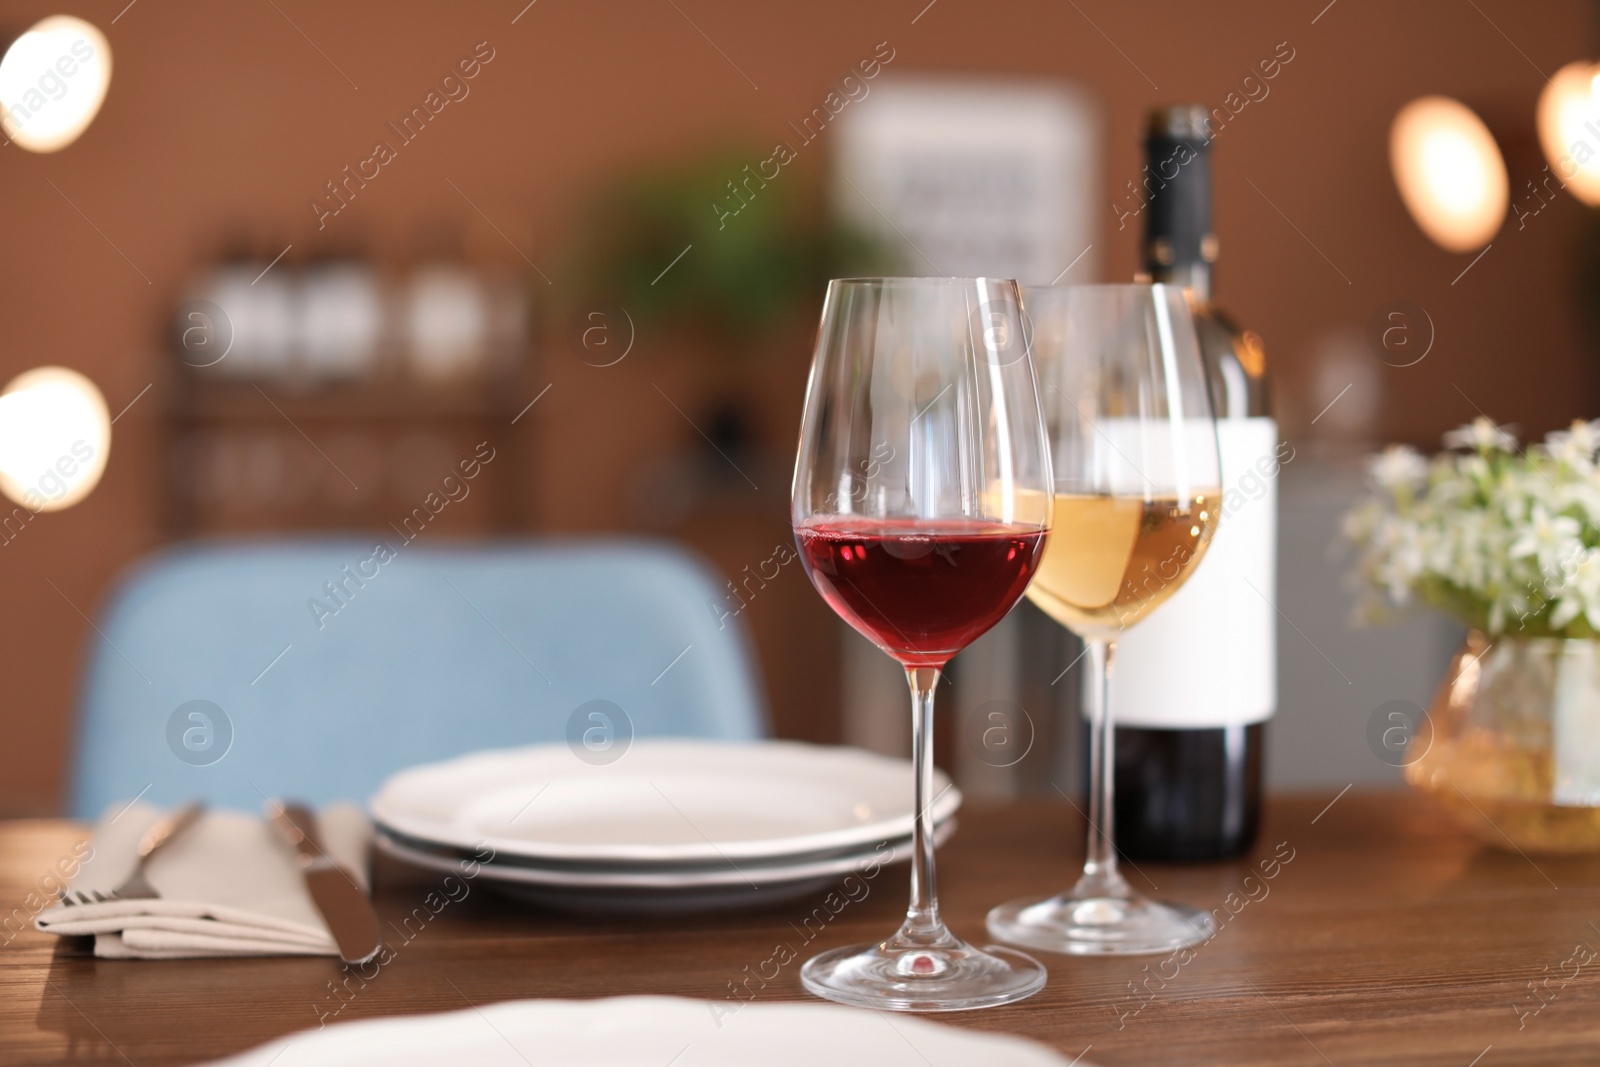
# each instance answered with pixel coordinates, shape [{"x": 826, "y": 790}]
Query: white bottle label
[{"x": 1208, "y": 656}]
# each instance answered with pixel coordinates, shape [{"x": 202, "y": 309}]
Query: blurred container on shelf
[
  {"x": 446, "y": 322},
  {"x": 339, "y": 321},
  {"x": 252, "y": 310}
]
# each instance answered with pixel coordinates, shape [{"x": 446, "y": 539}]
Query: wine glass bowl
[
  {"x": 1137, "y": 500},
  {"x": 921, "y": 505},
  {"x": 919, "y": 591}
]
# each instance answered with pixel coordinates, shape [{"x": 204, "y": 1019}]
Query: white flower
[
  {"x": 1548, "y": 538},
  {"x": 1503, "y": 538},
  {"x": 1402, "y": 558},
  {"x": 1581, "y": 594},
  {"x": 1576, "y": 446},
  {"x": 1399, "y": 466},
  {"x": 1473, "y": 469},
  {"x": 1482, "y": 434},
  {"x": 1584, "y": 495}
]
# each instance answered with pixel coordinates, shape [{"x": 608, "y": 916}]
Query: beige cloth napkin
[{"x": 229, "y": 885}]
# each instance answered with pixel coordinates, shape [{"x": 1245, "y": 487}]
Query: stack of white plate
[{"x": 670, "y": 825}]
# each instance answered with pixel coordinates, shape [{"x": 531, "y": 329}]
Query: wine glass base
[
  {"x": 953, "y": 976},
  {"x": 1100, "y": 926}
]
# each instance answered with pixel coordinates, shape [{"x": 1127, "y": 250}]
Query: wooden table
[{"x": 1384, "y": 935}]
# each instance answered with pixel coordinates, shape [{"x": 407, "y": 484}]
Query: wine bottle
[{"x": 1196, "y": 681}]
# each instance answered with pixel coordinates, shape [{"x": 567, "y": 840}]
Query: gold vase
[{"x": 1511, "y": 744}]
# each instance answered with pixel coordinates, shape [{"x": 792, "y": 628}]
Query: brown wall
[{"x": 223, "y": 118}]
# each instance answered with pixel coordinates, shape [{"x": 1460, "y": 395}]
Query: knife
[{"x": 344, "y": 906}]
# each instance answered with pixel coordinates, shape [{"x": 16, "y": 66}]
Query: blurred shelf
[{"x": 248, "y": 457}]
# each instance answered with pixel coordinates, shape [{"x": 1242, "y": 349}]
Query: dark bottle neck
[{"x": 1179, "y": 246}]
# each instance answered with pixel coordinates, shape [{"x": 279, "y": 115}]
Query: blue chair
[{"x": 315, "y": 669}]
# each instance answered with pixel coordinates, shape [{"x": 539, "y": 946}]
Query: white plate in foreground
[
  {"x": 666, "y": 801},
  {"x": 649, "y": 1032}
]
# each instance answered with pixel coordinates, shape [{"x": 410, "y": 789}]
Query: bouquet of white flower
[{"x": 1506, "y": 540}]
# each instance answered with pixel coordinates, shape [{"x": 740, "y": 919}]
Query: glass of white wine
[{"x": 1134, "y": 449}]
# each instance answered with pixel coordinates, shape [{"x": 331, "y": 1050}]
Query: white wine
[{"x": 1111, "y": 560}]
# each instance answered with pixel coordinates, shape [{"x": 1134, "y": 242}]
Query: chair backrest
[{"x": 321, "y": 667}]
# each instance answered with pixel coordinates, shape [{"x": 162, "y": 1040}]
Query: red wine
[{"x": 921, "y": 591}]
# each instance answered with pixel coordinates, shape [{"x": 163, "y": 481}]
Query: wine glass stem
[
  {"x": 922, "y": 917},
  {"x": 1100, "y": 875}
]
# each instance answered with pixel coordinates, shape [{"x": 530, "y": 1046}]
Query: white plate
[
  {"x": 665, "y": 801},
  {"x": 729, "y": 874},
  {"x": 649, "y": 1032},
  {"x": 721, "y": 863},
  {"x": 663, "y": 892}
]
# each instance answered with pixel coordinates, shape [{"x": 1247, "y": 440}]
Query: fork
[{"x": 136, "y": 886}]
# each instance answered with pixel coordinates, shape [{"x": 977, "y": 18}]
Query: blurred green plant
[{"x": 674, "y": 246}]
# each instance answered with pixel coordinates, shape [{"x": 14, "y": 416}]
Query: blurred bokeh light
[{"x": 1450, "y": 172}]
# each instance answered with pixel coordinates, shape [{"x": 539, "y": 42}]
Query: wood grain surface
[{"x": 1370, "y": 931}]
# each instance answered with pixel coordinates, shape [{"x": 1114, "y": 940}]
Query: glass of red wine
[{"x": 921, "y": 504}]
